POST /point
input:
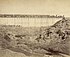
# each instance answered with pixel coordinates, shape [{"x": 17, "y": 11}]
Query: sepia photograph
[{"x": 34, "y": 28}]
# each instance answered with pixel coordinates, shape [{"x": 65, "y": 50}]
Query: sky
[
  {"x": 59, "y": 7},
  {"x": 50, "y": 7}
]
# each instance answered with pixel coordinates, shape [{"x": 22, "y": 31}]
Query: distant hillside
[{"x": 20, "y": 30}]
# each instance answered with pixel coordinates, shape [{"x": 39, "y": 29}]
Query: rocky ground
[{"x": 53, "y": 41}]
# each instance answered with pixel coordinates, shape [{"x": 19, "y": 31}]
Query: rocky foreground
[{"x": 53, "y": 41}]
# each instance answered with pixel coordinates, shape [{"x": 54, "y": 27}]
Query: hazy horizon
[{"x": 33, "y": 7}]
